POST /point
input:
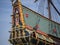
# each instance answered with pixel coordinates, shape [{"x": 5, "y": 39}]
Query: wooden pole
[{"x": 49, "y": 12}]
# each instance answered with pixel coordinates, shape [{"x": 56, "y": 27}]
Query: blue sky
[
  {"x": 5, "y": 12},
  {"x": 5, "y": 18}
]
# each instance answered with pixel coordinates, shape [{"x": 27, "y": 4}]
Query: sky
[
  {"x": 5, "y": 16},
  {"x": 5, "y": 12}
]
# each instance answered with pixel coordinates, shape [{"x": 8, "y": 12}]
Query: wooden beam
[{"x": 49, "y": 12}]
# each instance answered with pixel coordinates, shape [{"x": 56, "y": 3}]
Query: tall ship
[{"x": 31, "y": 28}]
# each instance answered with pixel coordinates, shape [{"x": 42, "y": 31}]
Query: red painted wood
[
  {"x": 38, "y": 31},
  {"x": 29, "y": 27},
  {"x": 26, "y": 15},
  {"x": 54, "y": 30}
]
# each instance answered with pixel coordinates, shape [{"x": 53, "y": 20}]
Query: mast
[{"x": 49, "y": 12}]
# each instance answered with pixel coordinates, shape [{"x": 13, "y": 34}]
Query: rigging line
[
  {"x": 35, "y": 0},
  {"x": 55, "y": 8}
]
